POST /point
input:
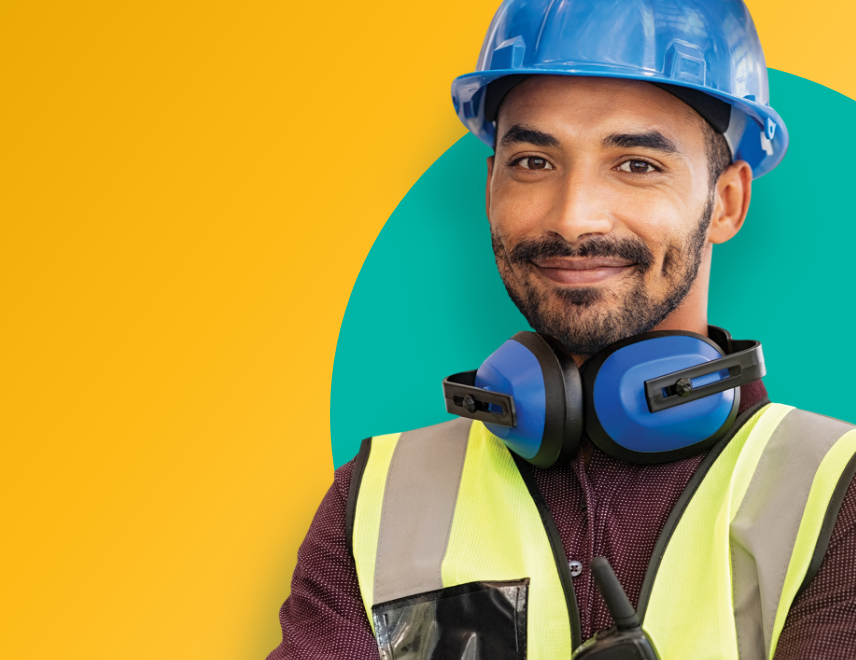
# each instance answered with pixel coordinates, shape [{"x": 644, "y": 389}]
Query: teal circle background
[{"x": 429, "y": 301}]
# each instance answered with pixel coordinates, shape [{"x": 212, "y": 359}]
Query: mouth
[{"x": 582, "y": 271}]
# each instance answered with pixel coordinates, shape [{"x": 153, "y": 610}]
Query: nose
[{"x": 581, "y": 208}]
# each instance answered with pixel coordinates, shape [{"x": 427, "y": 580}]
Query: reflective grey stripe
[
  {"x": 418, "y": 507},
  {"x": 765, "y": 528}
]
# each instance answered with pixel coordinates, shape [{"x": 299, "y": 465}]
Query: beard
[{"x": 586, "y": 320}]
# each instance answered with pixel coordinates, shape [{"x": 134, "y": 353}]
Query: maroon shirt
[{"x": 601, "y": 507}]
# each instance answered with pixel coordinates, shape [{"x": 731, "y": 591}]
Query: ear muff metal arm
[
  {"x": 676, "y": 388},
  {"x": 464, "y": 399}
]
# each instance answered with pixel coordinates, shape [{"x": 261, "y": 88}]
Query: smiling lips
[{"x": 581, "y": 271}]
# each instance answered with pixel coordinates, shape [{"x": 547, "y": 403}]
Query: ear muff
[
  {"x": 619, "y": 419},
  {"x": 529, "y": 394},
  {"x": 651, "y": 398}
]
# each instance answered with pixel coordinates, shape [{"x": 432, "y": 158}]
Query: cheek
[
  {"x": 659, "y": 220},
  {"x": 518, "y": 209}
]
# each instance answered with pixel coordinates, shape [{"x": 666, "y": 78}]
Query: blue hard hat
[{"x": 706, "y": 45}]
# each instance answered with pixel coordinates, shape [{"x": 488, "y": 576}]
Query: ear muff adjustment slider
[
  {"x": 676, "y": 388},
  {"x": 464, "y": 399}
]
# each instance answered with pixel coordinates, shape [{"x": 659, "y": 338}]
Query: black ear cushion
[
  {"x": 563, "y": 424},
  {"x": 574, "y": 404}
]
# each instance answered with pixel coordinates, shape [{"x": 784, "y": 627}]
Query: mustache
[{"x": 527, "y": 250}]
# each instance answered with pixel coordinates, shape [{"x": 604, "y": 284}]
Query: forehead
[{"x": 577, "y": 105}]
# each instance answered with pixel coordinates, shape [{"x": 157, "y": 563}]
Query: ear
[
  {"x": 733, "y": 194},
  {"x": 487, "y": 187}
]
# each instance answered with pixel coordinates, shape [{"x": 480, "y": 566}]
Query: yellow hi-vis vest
[{"x": 445, "y": 510}]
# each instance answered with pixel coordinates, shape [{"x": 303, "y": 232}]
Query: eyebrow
[
  {"x": 653, "y": 140},
  {"x": 519, "y": 133}
]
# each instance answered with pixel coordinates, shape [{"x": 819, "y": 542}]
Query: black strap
[
  {"x": 360, "y": 462},
  {"x": 555, "y": 539},
  {"x": 681, "y": 506},
  {"x": 829, "y": 520}
]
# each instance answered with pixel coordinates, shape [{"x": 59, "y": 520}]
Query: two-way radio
[{"x": 625, "y": 640}]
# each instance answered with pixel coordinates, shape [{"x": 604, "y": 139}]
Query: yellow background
[{"x": 189, "y": 190}]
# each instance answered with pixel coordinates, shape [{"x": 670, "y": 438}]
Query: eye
[
  {"x": 534, "y": 163},
  {"x": 637, "y": 167}
]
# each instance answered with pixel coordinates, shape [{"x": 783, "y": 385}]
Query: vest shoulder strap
[
  {"x": 397, "y": 553},
  {"x": 777, "y": 532},
  {"x": 746, "y": 540}
]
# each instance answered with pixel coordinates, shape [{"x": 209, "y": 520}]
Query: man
[{"x": 605, "y": 195}]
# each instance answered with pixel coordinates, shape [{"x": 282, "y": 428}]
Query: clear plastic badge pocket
[{"x": 473, "y": 621}]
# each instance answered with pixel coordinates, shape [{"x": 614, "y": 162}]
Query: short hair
[{"x": 719, "y": 156}]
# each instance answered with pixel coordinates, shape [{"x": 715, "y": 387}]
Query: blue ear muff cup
[
  {"x": 617, "y": 417},
  {"x": 513, "y": 370},
  {"x": 563, "y": 423}
]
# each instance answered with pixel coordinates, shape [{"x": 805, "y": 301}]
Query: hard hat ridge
[{"x": 694, "y": 49}]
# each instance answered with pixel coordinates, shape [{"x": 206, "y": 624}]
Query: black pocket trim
[
  {"x": 483, "y": 620},
  {"x": 448, "y": 592}
]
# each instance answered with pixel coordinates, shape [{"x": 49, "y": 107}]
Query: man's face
[{"x": 600, "y": 200}]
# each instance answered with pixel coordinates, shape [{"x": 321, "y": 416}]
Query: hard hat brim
[{"x": 764, "y": 134}]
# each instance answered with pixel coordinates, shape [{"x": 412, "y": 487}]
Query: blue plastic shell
[
  {"x": 708, "y": 45},
  {"x": 513, "y": 369},
  {"x": 619, "y": 396}
]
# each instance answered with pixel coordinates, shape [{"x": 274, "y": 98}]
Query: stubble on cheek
[
  {"x": 500, "y": 255},
  {"x": 671, "y": 261}
]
